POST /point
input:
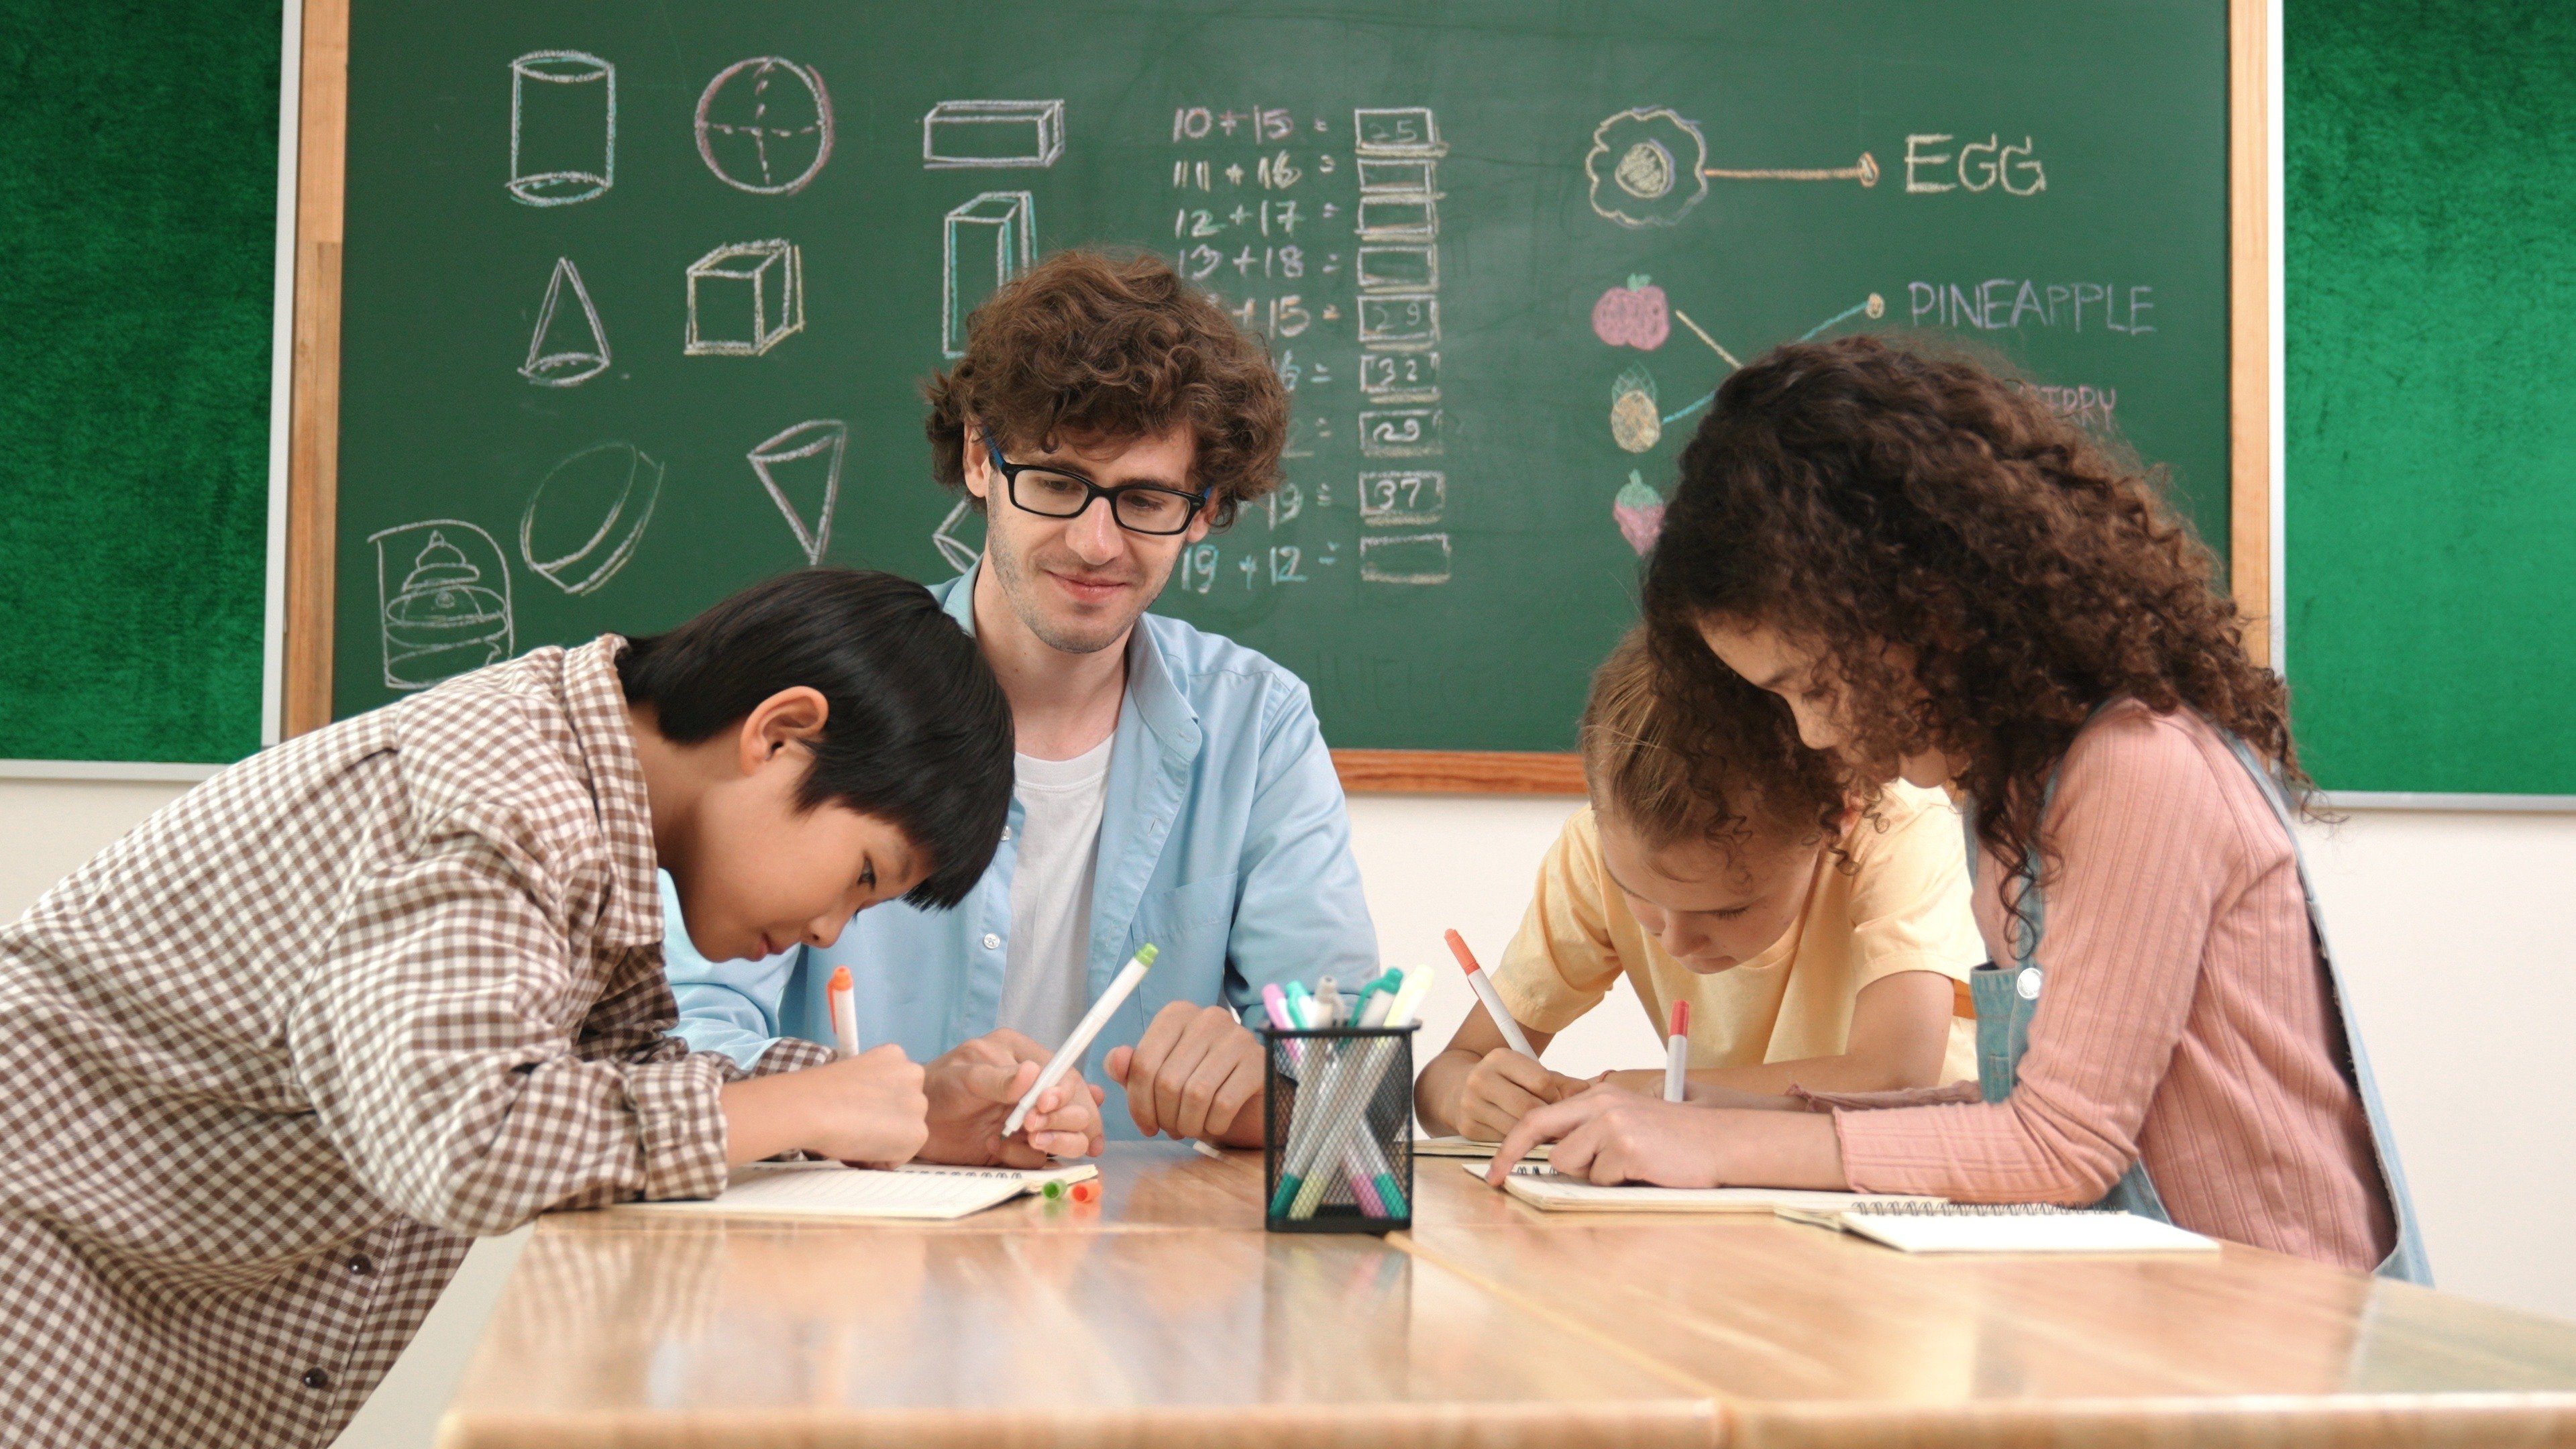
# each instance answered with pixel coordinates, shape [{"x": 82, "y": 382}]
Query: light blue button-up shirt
[{"x": 1223, "y": 841}]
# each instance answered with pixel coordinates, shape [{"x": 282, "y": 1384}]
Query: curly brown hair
[
  {"x": 1087, "y": 345},
  {"x": 1727, "y": 771},
  {"x": 1870, "y": 500}
]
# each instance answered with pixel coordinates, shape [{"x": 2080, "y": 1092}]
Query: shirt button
[
  {"x": 992, "y": 942},
  {"x": 1006, "y": 832},
  {"x": 361, "y": 1265},
  {"x": 316, "y": 1379}
]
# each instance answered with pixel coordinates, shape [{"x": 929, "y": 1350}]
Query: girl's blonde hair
[{"x": 1720, "y": 780}]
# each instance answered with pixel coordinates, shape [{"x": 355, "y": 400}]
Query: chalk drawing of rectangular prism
[
  {"x": 1400, "y": 269},
  {"x": 1400, "y": 321},
  {"x": 1411, "y": 495},
  {"x": 1396, "y": 131},
  {"x": 1407, "y": 174},
  {"x": 992, "y": 133},
  {"x": 987, "y": 242},
  {"x": 1400, "y": 433},
  {"x": 1400, "y": 377},
  {"x": 1398, "y": 218},
  {"x": 744, "y": 299},
  {"x": 1405, "y": 558}
]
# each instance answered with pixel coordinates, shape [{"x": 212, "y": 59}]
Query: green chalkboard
[
  {"x": 138, "y": 206},
  {"x": 2430, "y": 521},
  {"x": 1504, "y": 250}
]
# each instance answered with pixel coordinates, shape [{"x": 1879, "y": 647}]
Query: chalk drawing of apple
[
  {"x": 1632, "y": 316},
  {"x": 1640, "y": 511}
]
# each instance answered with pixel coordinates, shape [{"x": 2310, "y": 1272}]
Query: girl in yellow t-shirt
[{"x": 1718, "y": 863}]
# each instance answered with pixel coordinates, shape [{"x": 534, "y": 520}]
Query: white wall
[{"x": 2451, "y": 929}]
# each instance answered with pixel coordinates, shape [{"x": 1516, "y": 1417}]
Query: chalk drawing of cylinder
[
  {"x": 987, "y": 242},
  {"x": 563, "y": 127}
]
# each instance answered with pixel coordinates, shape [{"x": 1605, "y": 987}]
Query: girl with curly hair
[
  {"x": 1730, "y": 877},
  {"x": 1951, "y": 586}
]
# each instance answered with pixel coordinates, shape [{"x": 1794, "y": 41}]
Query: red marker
[
  {"x": 1677, "y": 1054},
  {"x": 1486, "y": 993}
]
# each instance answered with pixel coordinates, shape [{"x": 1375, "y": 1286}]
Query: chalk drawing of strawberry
[
  {"x": 1632, "y": 316},
  {"x": 1640, "y": 511}
]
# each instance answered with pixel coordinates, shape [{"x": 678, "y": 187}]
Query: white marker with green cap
[{"x": 1083, "y": 1031}]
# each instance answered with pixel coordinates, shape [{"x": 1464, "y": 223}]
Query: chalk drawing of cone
[
  {"x": 1635, "y": 419},
  {"x": 563, "y": 127},
  {"x": 568, "y": 347},
  {"x": 443, "y": 601},
  {"x": 801, "y": 470}
]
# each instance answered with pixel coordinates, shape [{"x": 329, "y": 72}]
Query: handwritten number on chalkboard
[{"x": 1198, "y": 569}]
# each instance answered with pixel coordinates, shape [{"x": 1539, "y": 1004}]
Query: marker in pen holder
[{"x": 1337, "y": 1149}]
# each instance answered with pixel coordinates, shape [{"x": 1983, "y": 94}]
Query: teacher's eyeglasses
[{"x": 1052, "y": 493}]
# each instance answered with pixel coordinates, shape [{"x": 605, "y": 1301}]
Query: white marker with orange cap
[
  {"x": 1486, "y": 993},
  {"x": 1677, "y": 1054},
  {"x": 845, "y": 1012}
]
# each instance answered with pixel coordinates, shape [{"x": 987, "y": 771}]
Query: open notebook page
[{"x": 829, "y": 1190}]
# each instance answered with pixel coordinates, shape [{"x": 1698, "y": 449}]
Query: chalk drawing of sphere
[
  {"x": 1645, "y": 167},
  {"x": 765, "y": 126}
]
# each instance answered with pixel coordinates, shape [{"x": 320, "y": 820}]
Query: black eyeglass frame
[{"x": 1011, "y": 472}]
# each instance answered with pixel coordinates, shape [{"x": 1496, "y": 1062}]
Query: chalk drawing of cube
[
  {"x": 992, "y": 133},
  {"x": 745, "y": 298},
  {"x": 986, "y": 242}
]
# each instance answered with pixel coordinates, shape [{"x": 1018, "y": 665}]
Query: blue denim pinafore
[{"x": 2007, "y": 1000}]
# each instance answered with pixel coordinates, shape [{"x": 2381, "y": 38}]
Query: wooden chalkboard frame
[{"x": 314, "y": 433}]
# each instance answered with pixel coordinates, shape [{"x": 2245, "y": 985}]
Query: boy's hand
[
  {"x": 973, "y": 1088},
  {"x": 1195, "y": 1073},
  {"x": 867, "y": 1109},
  {"x": 1503, "y": 1088}
]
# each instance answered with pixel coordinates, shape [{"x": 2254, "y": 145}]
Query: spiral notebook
[
  {"x": 1548, "y": 1190},
  {"x": 916, "y": 1191},
  {"x": 2004, "y": 1228}
]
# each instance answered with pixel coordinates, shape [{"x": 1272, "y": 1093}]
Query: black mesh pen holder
[{"x": 1337, "y": 1152}]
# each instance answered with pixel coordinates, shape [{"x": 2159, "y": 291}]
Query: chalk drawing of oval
[
  {"x": 765, "y": 126},
  {"x": 1646, "y": 166},
  {"x": 442, "y": 600},
  {"x": 1636, "y": 420},
  {"x": 587, "y": 515}
]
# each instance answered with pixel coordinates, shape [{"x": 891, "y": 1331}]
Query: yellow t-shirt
[{"x": 1903, "y": 906}]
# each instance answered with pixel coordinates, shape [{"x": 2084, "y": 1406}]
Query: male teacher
[{"x": 1172, "y": 786}]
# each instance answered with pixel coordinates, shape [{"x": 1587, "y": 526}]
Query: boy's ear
[{"x": 792, "y": 715}]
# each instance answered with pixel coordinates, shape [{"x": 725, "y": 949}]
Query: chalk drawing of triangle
[
  {"x": 568, "y": 347},
  {"x": 801, "y": 468}
]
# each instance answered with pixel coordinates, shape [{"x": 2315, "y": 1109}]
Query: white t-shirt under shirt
[{"x": 1046, "y": 983}]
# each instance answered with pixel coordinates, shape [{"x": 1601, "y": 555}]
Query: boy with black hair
[
  {"x": 270, "y": 1060},
  {"x": 1173, "y": 787}
]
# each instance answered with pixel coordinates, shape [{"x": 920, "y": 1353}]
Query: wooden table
[{"x": 1164, "y": 1315}]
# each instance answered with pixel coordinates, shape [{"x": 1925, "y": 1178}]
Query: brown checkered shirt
[{"x": 269, "y": 1060}]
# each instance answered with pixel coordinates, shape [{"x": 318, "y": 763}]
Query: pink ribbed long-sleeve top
[{"x": 2186, "y": 1022}]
